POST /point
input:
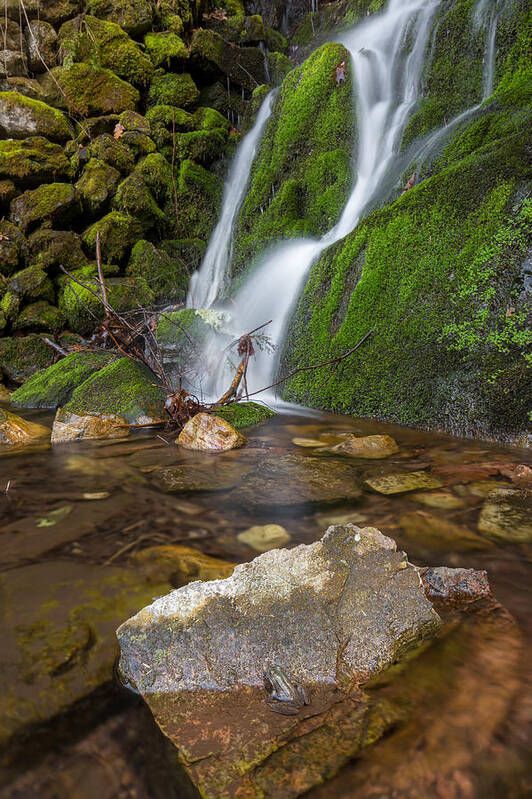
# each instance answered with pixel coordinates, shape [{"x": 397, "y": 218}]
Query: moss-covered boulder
[
  {"x": 97, "y": 185},
  {"x": 118, "y": 233},
  {"x": 165, "y": 48},
  {"x": 156, "y": 172},
  {"x": 87, "y": 38},
  {"x": 199, "y": 195},
  {"x": 245, "y": 414},
  {"x": 173, "y": 89},
  {"x": 138, "y": 143},
  {"x": 133, "y": 121},
  {"x": 165, "y": 120},
  {"x": 8, "y": 191},
  {"x": 20, "y": 357},
  {"x": 106, "y": 148},
  {"x": 86, "y": 90},
  {"x": 12, "y": 247},
  {"x": 53, "y": 11},
  {"x": 52, "y": 249},
  {"x": 32, "y": 161},
  {"x": 31, "y": 283},
  {"x": 125, "y": 388},
  {"x": 238, "y": 29},
  {"x": 244, "y": 66},
  {"x": 134, "y": 16},
  {"x": 53, "y": 204},
  {"x": 40, "y": 316},
  {"x": 134, "y": 198},
  {"x": 166, "y": 276},
  {"x": 41, "y": 41},
  {"x": 53, "y": 387},
  {"x": 305, "y": 157},
  {"x": 21, "y": 116}
]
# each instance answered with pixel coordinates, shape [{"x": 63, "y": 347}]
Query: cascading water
[
  {"x": 387, "y": 53},
  {"x": 205, "y": 284}
]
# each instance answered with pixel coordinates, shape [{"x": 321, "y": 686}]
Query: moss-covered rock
[
  {"x": 21, "y": 357},
  {"x": 52, "y": 249},
  {"x": 41, "y": 41},
  {"x": 54, "y": 203},
  {"x": 245, "y": 414},
  {"x": 134, "y": 198},
  {"x": 108, "y": 149},
  {"x": 40, "y": 316},
  {"x": 173, "y": 89},
  {"x": 97, "y": 184},
  {"x": 305, "y": 160},
  {"x": 8, "y": 191},
  {"x": 131, "y": 120},
  {"x": 164, "y": 48},
  {"x": 125, "y": 388},
  {"x": 244, "y": 66},
  {"x": 118, "y": 233},
  {"x": 31, "y": 284},
  {"x": 53, "y": 11},
  {"x": 199, "y": 194},
  {"x": 165, "y": 120},
  {"x": 53, "y": 387},
  {"x": 166, "y": 276},
  {"x": 138, "y": 143},
  {"x": 279, "y": 65},
  {"x": 21, "y": 116},
  {"x": 85, "y": 90},
  {"x": 156, "y": 172},
  {"x": 32, "y": 161},
  {"x": 104, "y": 44},
  {"x": 12, "y": 247},
  {"x": 9, "y": 306},
  {"x": 134, "y": 16}
]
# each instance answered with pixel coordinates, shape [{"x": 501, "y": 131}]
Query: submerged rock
[
  {"x": 262, "y": 538},
  {"x": 179, "y": 565},
  {"x": 211, "y": 476},
  {"x": 423, "y": 531},
  {"x": 457, "y": 588},
  {"x": 365, "y": 447},
  {"x": 69, "y": 426},
  {"x": 210, "y": 434},
  {"x": 254, "y": 677},
  {"x": 506, "y": 516},
  {"x": 401, "y": 483},
  {"x": 15, "y": 430}
]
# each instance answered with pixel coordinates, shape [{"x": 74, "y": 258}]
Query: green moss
[
  {"x": 302, "y": 176},
  {"x": 53, "y": 387},
  {"x": 21, "y": 357},
  {"x": 88, "y": 91},
  {"x": 10, "y": 306},
  {"x": 275, "y": 41},
  {"x": 245, "y": 414},
  {"x": 118, "y": 233},
  {"x": 22, "y": 116},
  {"x": 243, "y": 65},
  {"x": 139, "y": 143},
  {"x": 165, "y": 120},
  {"x": 131, "y": 120},
  {"x": 52, "y": 249},
  {"x": 166, "y": 276},
  {"x": 31, "y": 283},
  {"x": 156, "y": 173},
  {"x": 33, "y": 161},
  {"x": 97, "y": 185},
  {"x": 172, "y": 89},
  {"x": 40, "y": 316},
  {"x": 279, "y": 65},
  {"x": 134, "y": 198},
  {"x": 202, "y": 146},
  {"x": 165, "y": 47},
  {"x": 125, "y": 388},
  {"x": 106, "y": 148},
  {"x": 199, "y": 194},
  {"x": 55, "y": 203},
  {"x": 134, "y": 16},
  {"x": 104, "y": 44}
]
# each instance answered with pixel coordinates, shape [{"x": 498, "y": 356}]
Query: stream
[{"x": 97, "y": 505}]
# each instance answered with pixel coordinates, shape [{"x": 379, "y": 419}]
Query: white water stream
[{"x": 387, "y": 56}]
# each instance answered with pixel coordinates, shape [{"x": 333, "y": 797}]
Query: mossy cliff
[
  {"x": 441, "y": 272},
  {"x": 117, "y": 117}
]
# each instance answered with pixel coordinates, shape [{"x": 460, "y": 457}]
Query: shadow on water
[{"x": 82, "y": 514}]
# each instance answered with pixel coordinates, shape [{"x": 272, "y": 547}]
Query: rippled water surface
[{"x": 462, "y": 709}]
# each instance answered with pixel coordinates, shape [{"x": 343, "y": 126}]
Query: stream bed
[{"x": 80, "y": 513}]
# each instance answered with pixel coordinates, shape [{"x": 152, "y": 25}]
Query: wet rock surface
[
  {"x": 318, "y": 621},
  {"x": 210, "y": 433},
  {"x": 507, "y": 516},
  {"x": 15, "y": 430}
]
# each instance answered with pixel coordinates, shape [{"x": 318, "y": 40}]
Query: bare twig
[
  {"x": 100, "y": 272},
  {"x": 55, "y": 346}
]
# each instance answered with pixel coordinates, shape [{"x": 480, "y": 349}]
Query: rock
[
  {"x": 31, "y": 284},
  {"x": 41, "y": 41},
  {"x": 483, "y": 488},
  {"x": 40, "y": 316},
  {"x": 32, "y": 161},
  {"x": 173, "y": 89},
  {"x": 22, "y": 116},
  {"x": 21, "y": 357},
  {"x": 125, "y": 388},
  {"x": 365, "y": 447},
  {"x": 210, "y": 434},
  {"x": 118, "y": 233},
  {"x": 134, "y": 16},
  {"x": 244, "y": 66},
  {"x": 108, "y": 149},
  {"x": 324, "y": 520},
  {"x": 51, "y": 249},
  {"x": 90, "y": 91},
  {"x": 179, "y": 565},
  {"x": 425, "y": 532},
  {"x": 199, "y": 194},
  {"x": 53, "y": 387},
  {"x": 520, "y": 474},
  {"x": 12, "y": 246},
  {"x": 5, "y": 394},
  {"x": 296, "y": 479},
  {"x": 308, "y": 443},
  {"x": 318, "y": 620},
  {"x": 465, "y": 589},
  {"x": 53, "y": 11},
  {"x": 216, "y": 475},
  {"x": 97, "y": 185},
  {"x": 506, "y": 516},
  {"x": 165, "y": 48},
  {"x": 165, "y": 275},
  {"x": 59, "y": 646},
  {"x": 69, "y": 426},
  {"x": 15, "y": 430},
  {"x": 13, "y": 64},
  {"x": 245, "y": 414},
  {"x": 133, "y": 198},
  {"x": 262, "y": 538},
  {"x": 54, "y": 204},
  {"x": 438, "y": 499},
  {"x": 400, "y": 483},
  {"x": 8, "y": 191}
]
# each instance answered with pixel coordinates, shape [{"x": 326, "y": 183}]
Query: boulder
[
  {"x": 427, "y": 533},
  {"x": 20, "y": 357},
  {"x": 53, "y": 387},
  {"x": 41, "y": 41},
  {"x": 88, "y": 91},
  {"x": 54, "y": 203},
  {"x": 133, "y": 198},
  {"x": 97, "y": 185},
  {"x": 295, "y": 479},
  {"x": 245, "y": 414},
  {"x": 33, "y": 161},
  {"x": 134, "y": 16},
  {"x": 106, "y": 148},
  {"x": 118, "y": 233},
  {"x": 15, "y": 430},
  {"x": 244, "y": 66},
  {"x": 53, "y": 11},
  {"x": 173, "y": 89},
  {"x": 365, "y": 447},
  {"x": 443, "y": 500},
  {"x": 401, "y": 483},
  {"x": 13, "y": 64},
  {"x": 165, "y": 48},
  {"x": 506, "y": 516},
  {"x": 262, "y": 538},
  {"x": 216, "y": 475},
  {"x": 40, "y": 316},
  {"x": 30, "y": 284},
  {"x": 69, "y": 426},
  {"x": 51, "y": 249},
  {"x": 12, "y": 246},
  {"x": 165, "y": 275},
  {"x": 21, "y": 116},
  {"x": 257, "y": 678},
  {"x": 210, "y": 434},
  {"x": 179, "y": 565},
  {"x": 457, "y": 588}
]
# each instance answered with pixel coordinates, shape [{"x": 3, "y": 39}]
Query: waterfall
[
  {"x": 387, "y": 56},
  {"x": 207, "y": 282}
]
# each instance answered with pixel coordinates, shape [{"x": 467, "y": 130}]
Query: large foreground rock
[{"x": 256, "y": 678}]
